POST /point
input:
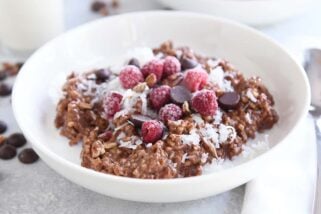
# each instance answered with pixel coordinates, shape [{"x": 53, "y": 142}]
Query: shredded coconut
[
  {"x": 217, "y": 76},
  {"x": 131, "y": 144},
  {"x": 218, "y": 116},
  {"x": 204, "y": 157},
  {"x": 193, "y": 138},
  {"x": 184, "y": 158},
  {"x": 197, "y": 119},
  {"x": 248, "y": 118},
  {"x": 250, "y": 95}
]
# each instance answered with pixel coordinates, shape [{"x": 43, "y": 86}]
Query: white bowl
[
  {"x": 91, "y": 45},
  {"x": 252, "y": 12}
]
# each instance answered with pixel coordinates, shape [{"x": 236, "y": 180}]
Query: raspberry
[
  {"x": 112, "y": 104},
  {"x": 170, "y": 112},
  {"x": 154, "y": 66},
  {"x": 171, "y": 66},
  {"x": 205, "y": 102},
  {"x": 130, "y": 76},
  {"x": 195, "y": 79},
  {"x": 160, "y": 96},
  {"x": 152, "y": 131}
]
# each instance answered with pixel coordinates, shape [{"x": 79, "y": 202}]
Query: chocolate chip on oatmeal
[
  {"x": 138, "y": 119},
  {"x": 3, "y": 75},
  {"x": 229, "y": 100},
  {"x": 135, "y": 62},
  {"x": 7, "y": 152},
  {"x": 188, "y": 63},
  {"x": 3, "y": 127},
  {"x": 102, "y": 75},
  {"x": 179, "y": 94},
  {"x": 17, "y": 140},
  {"x": 5, "y": 90},
  {"x": 28, "y": 156}
]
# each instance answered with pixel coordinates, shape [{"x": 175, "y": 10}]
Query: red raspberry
[
  {"x": 205, "y": 102},
  {"x": 154, "y": 66},
  {"x": 152, "y": 131},
  {"x": 195, "y": 79},
  {"x": 160, "y": 96},
  {"x": 170, "y": 112},
  {"x": 112, "y": 104},
  {"x": 130, "y": 76},
  {"x": 171, "y": 66}
]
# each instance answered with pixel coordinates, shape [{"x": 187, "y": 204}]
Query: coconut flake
[
  {"x": 226, "y": 132},
  {"x": 197, "y": 119},
  {"x": 218, "y": 116},
  {"x": 248, "y": 118},
  {"x": 184, "y": 157},
  {"x": 250, "y": 95},
  {"x": 131, "y": 144},
  {"x": 217, "y": 76},
  {"x": 192, "y": 139}
]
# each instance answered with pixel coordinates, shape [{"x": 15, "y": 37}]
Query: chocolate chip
[
  {"x": 19, "y": 65},
  {"x": 3, "y": 127},
  {"x": 134, "y": 62},
  {"x": 7, "y": 152},
  {"x": 5, "y": 90},
  {"x": 138, "y": 119},
  {"x": 188, "y": 63},
  {"x": 179, "y": 94},
  {"x": 229, "y": 100},
  {"x": 17, "y": 140},
  {"x": 3, "y": 75},
  {"x": 28, "y": 156},
  {"x": 102, "y": 74},
  {"x": 96, "y": 6}
]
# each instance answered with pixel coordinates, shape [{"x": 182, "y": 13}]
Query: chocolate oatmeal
[{"x": 166, "y": 117}]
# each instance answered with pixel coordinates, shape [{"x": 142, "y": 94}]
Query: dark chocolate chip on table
[
  {"x": 229, "y": 100},
  {"x": 28, "y": 156},
  {"x": 102, "y": 74},
  {"x": 7, "y": 152},
  {"x": 3, "y": 75},
  {"x": 179, "y": 94},
  {"x": 134, "y": 62},
  {"x": 17, "y": 140},
  {"x": 5, "y": 90},
  {"x": 3, "y": 127},
  {"x": 187, "y": 63},
  {"x": 96, "y": 6},
  {"x": 138, "y": 119}
]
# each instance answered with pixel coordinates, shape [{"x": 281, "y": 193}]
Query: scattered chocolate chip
[
  {"x": 17, "y": 140},
  {"x": 5, "y": 90},
  {"x": 115, "y": 3},
  {"x": 138, "y": 119},
  {"x": 102, "y": 74},
  {"x": 179, "y": 94},
  {"x": 134, "y": 62},
  {"x": 3, "y": 127},
  {"x": 100, "y": 7},
  {"x": 7, "y": 152},
  {"x": 97, "y": 5},
  {"x": 28, "y": 156},
  {"x": 3, "y": 75},
  {"x": 229, "y": 100},
  {"x": 188, "y": 63}
]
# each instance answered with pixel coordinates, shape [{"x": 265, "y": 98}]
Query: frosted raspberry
[
  {"x": 170, "y": 112},
  {"x": 160, "y": 96},
  {"x": 205, "y": 102},
  {"x": 130, "y": 76},
  {"x": 112, "y": 104},
  {"x": 195, "y": 79},
  {"x": 171, "y": 66},
  {"x": 152, "y": 131},
  {"x": 154, "y": 66}
]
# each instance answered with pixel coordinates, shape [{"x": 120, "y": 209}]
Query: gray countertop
[{"x": 38, "y": 189}]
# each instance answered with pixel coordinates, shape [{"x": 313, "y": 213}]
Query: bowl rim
[{"x": 35, "y": 142}]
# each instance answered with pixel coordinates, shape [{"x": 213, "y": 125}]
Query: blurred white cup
[{"x": 25, "y": 25}]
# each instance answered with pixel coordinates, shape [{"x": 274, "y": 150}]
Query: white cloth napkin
[{"x": 288, "y": 186}]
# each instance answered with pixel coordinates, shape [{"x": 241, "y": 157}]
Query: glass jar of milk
[{"x": 25, "y": 25}]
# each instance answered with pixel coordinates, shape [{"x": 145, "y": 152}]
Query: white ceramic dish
[
  {"x": 252, "y": 12},
  {"x": 93, "y": 44}
]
